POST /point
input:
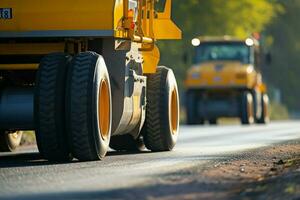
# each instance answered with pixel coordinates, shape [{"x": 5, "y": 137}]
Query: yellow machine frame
[
  {"x": 245, "y": 76},
  {"x": 112, "y": 44},
  {"x": 95, "y": 18}
]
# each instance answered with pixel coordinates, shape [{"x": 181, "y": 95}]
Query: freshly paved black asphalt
[{"x": 24, "y": 175}]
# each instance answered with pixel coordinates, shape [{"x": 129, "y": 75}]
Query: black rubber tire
[
  {"x": 191, "y": 111},
  {"x": 126, "y": 143},
  {"x": 10, "y": 141},
  {"x": 247, "y": 108},
  {"x": 86, "y": 73},
  {"x": 265, "y": 117},
  {"x": 158, "y": 131},
  {"x": 51, "y": 136}
]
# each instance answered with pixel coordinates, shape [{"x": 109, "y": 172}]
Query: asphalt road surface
[{"x": 24, "y": 175}]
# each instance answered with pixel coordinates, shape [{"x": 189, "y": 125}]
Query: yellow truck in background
[
  {"x": 84, "y": 76},
  {"x": 225, "y": 81}
]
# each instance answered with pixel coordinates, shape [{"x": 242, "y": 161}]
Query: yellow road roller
[
  {"x": 225, "y": 81},
  {"x": 84, "y": 76}
]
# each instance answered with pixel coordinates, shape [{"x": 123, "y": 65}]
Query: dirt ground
[
  {"x": 267, "y": 173},
  {"x": 271, "y": 173}
]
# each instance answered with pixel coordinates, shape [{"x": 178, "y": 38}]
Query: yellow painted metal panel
[
  {"x": 118, "y": 22},
  {"x": 31, "y": 48},
  {"x": 262, "y": 88},
  {"x": 165, "y": 29},
  {"x": 233, "y": 74},
  {"x": 37, "y": 15},
  {"x": 151, "y": 59},
  {"x": 32, "y": 66}
]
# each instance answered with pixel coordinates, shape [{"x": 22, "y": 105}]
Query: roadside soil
[{"x": 266, "y": 173}]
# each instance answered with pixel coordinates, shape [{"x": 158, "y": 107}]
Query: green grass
[
  {"x": 278, "y": 111},
  {"x": 28, "y": 138}
]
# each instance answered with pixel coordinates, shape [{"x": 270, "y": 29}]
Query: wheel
[
  {"x": 52, "y": 140},
  {"x": 191, "y": 111},
  {"x": 9, "y": 141},
  {"x": 213, "y": 121},
  {"x": 201, "y": 121},
  {"x": 126, "y": 143},
  {"x": 265, "y": 117},
  {"x": 88, "y": 107},
  {"x": 247, "y": 108},
  {"x": 192, "y": 117},
  {"x": 160, "y": 131}
]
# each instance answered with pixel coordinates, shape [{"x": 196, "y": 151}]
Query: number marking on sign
[{"x": 5, "y": 13}]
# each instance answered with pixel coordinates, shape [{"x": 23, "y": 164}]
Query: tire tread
[
  {"x": 79, "y": 78},
  {"x": 156, "y": 123},
  {"x": 49, "y": 107}
]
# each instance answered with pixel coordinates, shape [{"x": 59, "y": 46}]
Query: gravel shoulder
[{"x": 266, "y": 173}]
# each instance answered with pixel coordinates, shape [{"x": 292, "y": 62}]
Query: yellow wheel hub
[
  {"x": 104, "y": 109},
  {"x": 174, "y": 112},
  {"x": 250, "y": 111}
]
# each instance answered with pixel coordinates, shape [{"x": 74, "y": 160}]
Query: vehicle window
[
  {"x": 216, "y": 51},
  {"x": 133, "y": 6},
  {"x": 160, "y": 5}
]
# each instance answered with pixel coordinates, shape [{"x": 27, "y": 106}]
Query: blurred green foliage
[
  {"x": 223, "y": 17},
  {"x": 285, "y": 49},
  {"x": 278, "y": 111},
  {"x": 28, "y": 137}
]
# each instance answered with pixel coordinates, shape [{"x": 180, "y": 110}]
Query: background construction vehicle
[
  {"x": 83, "y": 75},
  {"x": 225, "y": 81}
]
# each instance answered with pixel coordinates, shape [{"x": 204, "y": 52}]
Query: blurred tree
[
  {"x": 285, "y": 45},
  {"x": 220, "y": 17}
]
